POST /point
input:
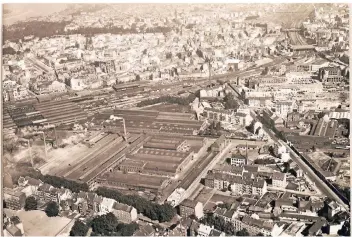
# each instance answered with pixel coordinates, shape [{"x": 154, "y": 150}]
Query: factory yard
[{"x": 60, "y": 158}]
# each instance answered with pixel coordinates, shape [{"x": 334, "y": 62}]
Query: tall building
[
  {"x": 279, "y": 180},
  {"x": 189, "y": 207}
]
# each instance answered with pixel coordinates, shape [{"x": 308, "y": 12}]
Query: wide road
[
  {"x": 307, "y": 170},
  {"x": 311, "y": 174}
]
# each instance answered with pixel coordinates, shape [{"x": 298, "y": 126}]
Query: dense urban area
[{"x": 177, "y": 120}]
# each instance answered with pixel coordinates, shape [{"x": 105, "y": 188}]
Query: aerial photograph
[{"x": 175, "y": 119}]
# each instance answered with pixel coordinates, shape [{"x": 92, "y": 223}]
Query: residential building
[
  {"x": 189, "y": 207},
  {"x": 279, "y": 180},
  {"x": 106, "y": 205},
  {"x": 256, "y": 226},
  {"x": 124, "y": 213},
  {"x": 316, "y": 228},
  {"x": 14, "y": 199},
  {"x": 283, "y": 108},
  {"x": 238, "y": 160},
  {"x": 30, "y": 185},
  {"x": 219, "y": 115},
  {"x": 227, "y": 215},
  {"x": 145, "y": 230},
  {"x": 48, "y": 87},
  {"x": 215, "y": 232},
  {"x": 330, "y": 75},
  {"x": 219, "y": 144},
  {"x": 204, "y": 231},
  {"x": 237, "y": 184},
  {"x": 333, "y": 208},
  {"x": 258, "y": 102}
]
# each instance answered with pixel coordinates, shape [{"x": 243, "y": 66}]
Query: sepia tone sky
[{"x": 21, "y": 11}]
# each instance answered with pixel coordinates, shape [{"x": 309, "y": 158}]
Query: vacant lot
[{"x": 36, "y": 223}]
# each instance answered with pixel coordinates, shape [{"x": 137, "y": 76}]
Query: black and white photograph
[{"x": 175, "y": 119}]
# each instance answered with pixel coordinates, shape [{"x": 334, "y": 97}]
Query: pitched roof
[
  {"x": 189, "y": 203},
  {"x": 279, "y": 176},
  {"x": 122, "y": 207},
  {"x": 215, "y": 232},
  {"x": 14, "y": 230},
  {"x": 45, "y": 187}
]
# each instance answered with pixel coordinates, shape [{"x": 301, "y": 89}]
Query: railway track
[{"x": 194, "y": 173}]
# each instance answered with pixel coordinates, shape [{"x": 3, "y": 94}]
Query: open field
[
  {"x": 61, "y": 157},
  {"x": 37, "y": 223}
]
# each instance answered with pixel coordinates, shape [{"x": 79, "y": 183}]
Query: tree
[
  {"x": 265, "y": 71},
  {"x": 243, "y": 232},
  {"x": 30, "y": 204},
  {"x": 321, "y": 115},
  {"x": 345, "y": 230},
  {"x": 219, "y": 223},
  {"x": 8, "y": 50},
  {"x": 286, "y": 167},
  {"x": 59, "y": 182},
  {"x": 104, "y": 224},
  {"x": 126, "y": 229},
  {"x": 154, "y": 211},
  {"x": 168, "y": 55},
  {"x": 225, "y": 205},
  {"x": 52, "y": 209},
  {"x": 79, "y": 229},
  {"x": 313, "y": 148},
  {"x": 230, "y": 102},
  {"x": 199, "y": 53},
  {"x": 10, "y": 145}
]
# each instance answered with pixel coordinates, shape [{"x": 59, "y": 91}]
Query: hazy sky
[{"x": 21, "y": 11}]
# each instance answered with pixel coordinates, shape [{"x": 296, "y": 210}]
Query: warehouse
[
  {"x": 61, "y": 112},
  {"x": 138, "y": 182},
  {"x": 152, "y": 121}
]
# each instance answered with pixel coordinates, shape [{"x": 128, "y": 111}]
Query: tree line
[
  {"x": 59, "y": 182},
  {"x": 42, "y": 29},
  {"x": 154, "y": 211},
  {"x": 219, "y": 223},
  {"x": 270, "y": 124},
  {"x": 104, "y": 225},
  {"x": 52, "y": 208},
  {"x": 230, "y": 102}
]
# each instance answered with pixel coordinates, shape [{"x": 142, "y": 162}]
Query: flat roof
[
  {"x": 134, "y": 179},
  {"x": 155, "y": 158},
  {"x": 160, "y": 166},
  {"x": 295, "y": 47}
]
